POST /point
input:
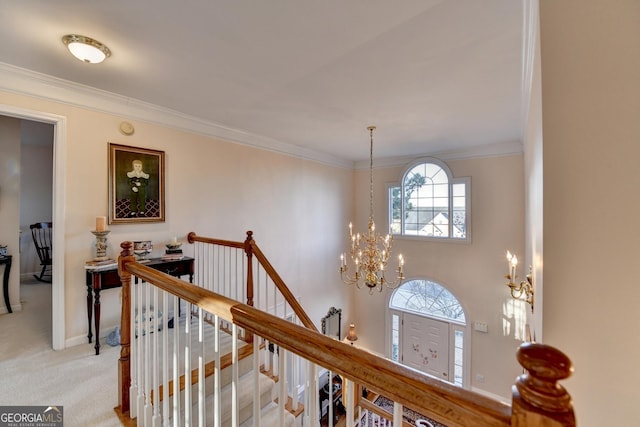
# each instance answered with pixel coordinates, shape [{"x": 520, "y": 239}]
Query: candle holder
[
  {"x": 524, "y": 289},
  {"x": 101, "y": 244}
]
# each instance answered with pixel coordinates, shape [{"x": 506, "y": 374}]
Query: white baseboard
[
  {"x": 14, "y": 308},
  {"x": 82, "y": 339}
]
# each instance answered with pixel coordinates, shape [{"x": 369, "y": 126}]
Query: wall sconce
[
  {"x": 522, "y": 290},
  {"x": 351, "y": 335}
]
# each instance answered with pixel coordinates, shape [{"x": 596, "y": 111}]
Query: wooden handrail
[
  {"x": 534, "y": 393},
  {"x": 251, "y": 248},
  {"x": 192, "y": 237},
  {"x": 283, "y": 288},
  {"x": 444, "y": 402}
]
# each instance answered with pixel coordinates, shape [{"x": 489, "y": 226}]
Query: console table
[
  {"x": 109, "y": 279},
  {"x": 6, "y": 260}
]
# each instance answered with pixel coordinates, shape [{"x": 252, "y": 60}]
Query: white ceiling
[{"x": 434, "y": 76}]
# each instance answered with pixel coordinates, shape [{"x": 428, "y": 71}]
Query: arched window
[
  {"x": 427, "y": 297},
  {"x": 417, "y": 309},
  {"x": 429, "y": 202}
]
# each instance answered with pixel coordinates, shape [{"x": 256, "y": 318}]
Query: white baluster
[
  {"x": 348, "y": 388},
  {"x": 235, "y": 415},
  {"x": 165, "y": 357},
  {"x": 176, "y": 361},
  {"x": 187, "y": 367},
  {"x": 201, "y": 390},
  {"x": 397, "y": 414},
  {"x": 217, "y": 393}
]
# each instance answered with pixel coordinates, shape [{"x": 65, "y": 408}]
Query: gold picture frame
[{"x": 136, "y": 184}]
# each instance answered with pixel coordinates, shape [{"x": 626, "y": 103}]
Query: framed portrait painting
[{"x": 136, "y": 184}]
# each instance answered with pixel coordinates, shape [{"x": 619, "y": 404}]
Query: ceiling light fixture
[
  {"x": 369, "y": 260},
  {"x": 86, "y": 49}
]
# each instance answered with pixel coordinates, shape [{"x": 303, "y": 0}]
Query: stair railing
[
  {"x": 538, "y": 399},
  {"x": 221, "y": 269},
  {"x": 241, "y": 271}
]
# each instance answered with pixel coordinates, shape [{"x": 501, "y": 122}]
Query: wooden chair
[{"x": 42, "y": 239}]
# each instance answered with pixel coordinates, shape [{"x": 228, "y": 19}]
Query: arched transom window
[{"x": 427, "y": 297}]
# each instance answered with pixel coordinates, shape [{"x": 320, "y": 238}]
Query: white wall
[
  {"x": 590, "y": 58},
  {"x": 473, "y": 272}
]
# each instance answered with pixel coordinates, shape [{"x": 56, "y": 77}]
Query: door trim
[{"x": 58, "y": 218}]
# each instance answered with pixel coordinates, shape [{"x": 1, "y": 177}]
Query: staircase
[
  {"x": 245, "y": 385},
  {"x": 224, "y": 374},
  {"x": 269, "y": 410}
]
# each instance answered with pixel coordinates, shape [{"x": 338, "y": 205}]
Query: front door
[{"x": 425, "y": 345}]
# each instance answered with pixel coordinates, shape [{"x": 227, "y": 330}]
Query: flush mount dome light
[{"x": 86, "y": 49}]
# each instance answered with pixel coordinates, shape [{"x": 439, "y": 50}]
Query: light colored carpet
[{"x": 31, "y": 373}]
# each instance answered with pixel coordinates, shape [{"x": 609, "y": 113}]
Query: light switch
[{"x": 480, "y": 327}]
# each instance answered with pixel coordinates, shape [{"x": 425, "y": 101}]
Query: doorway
[
  {"x": 36, "y": 190},
  {"x": 58, "y": 204},
  {"x": 425, "y": 345},
  {"x": 427, "y": 331}
]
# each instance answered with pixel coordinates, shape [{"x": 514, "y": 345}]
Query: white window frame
[{"x": 466, "y": 181}]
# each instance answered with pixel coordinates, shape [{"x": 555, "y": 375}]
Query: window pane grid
[
  {"x": 424, "y": 296},
  {"x": 428, "y": 204}
]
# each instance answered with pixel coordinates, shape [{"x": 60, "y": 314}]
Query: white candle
[
  {"x": 174, "y": 240},
  {"x": 101, "y": 223}
]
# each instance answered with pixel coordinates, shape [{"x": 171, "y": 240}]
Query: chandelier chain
[
  {"x": 371, "y": 129},
  {"x": 370, "y": 252}
]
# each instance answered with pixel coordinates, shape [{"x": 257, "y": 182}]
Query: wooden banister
[
  {"x": 248, "y": 249},
  {"x": 193, "y": 237},
  {"x": 252, "y": 249},
  {"x": 283, "y": 288},
  {"x": 124, "y": 363},
  {"x": 538, "y": 399}
]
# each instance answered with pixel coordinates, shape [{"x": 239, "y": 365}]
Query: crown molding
[
  {"x": 530, "y": 30},
  {"x": 30, "y": 83},
  {"x": 509, "y": 148}
]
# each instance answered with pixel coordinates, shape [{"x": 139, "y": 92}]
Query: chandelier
[{"x": 370, "y": 252}]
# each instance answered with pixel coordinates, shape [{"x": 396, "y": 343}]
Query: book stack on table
[
  {"x": 172, "y": 255},
  {"x": 100, "y": 265}
]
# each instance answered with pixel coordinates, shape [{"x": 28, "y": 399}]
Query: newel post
[
  {"x": 248, "y": 249},
  {"x": 124, "y": 363},
  {"x": 538, "y": 399}
]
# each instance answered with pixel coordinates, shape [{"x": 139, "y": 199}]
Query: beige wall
[
  {"x": 213, "y": 187},
  {"x": 533, "y": 170},
  {"x": 473, "y": 272},
  {"x": 590, "y": 55},
  {"x": 10, "y": 203},
  {"x": 298, "y": 210},
  {"x": 36, "y": 172}
]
